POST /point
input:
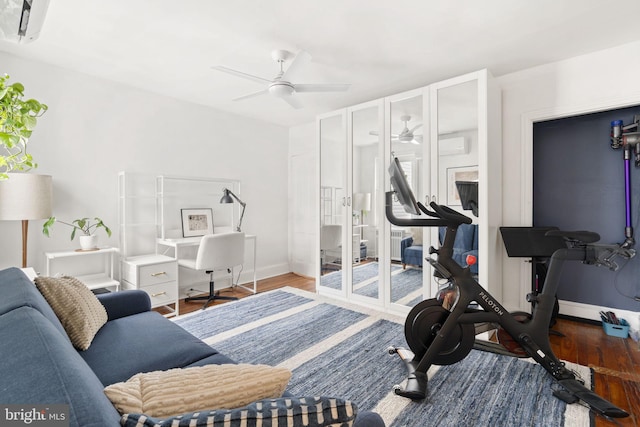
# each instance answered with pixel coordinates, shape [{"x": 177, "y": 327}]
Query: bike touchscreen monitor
[{"x": 402, "y": 188}]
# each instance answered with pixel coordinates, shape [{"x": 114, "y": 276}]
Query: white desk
[{"x": 179, "y": 243}]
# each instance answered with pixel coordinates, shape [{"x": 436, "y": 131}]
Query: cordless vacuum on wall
[{"x": 627, "y": 138}]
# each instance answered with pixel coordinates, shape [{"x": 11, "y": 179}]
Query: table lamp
[
  {"x": 227, "y": 198},
  {"x": 362, "y": 203},
  {"x": 25, "y": 196}
]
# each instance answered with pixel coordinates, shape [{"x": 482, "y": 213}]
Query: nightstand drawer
[
  {"x": 163, "y": 293},
  {"x": 149, "y": 270},
  {"x": 157, "y": 273}
]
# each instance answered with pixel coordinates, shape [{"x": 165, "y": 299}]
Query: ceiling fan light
[{"x": 281, "y": 89}]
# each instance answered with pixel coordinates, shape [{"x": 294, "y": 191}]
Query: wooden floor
[{"x": 615, "y": 361}]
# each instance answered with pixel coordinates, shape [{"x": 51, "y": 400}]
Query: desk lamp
[
  {"x": 227, "y": 198},
  {"x": 25, "y": 196}
]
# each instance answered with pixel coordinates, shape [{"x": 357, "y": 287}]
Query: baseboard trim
[{"x": 592, "y": 312}]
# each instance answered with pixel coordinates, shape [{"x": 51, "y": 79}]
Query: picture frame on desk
[{"x": 196, "y": 222}]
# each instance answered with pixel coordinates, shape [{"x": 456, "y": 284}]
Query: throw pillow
[
  {"x": 198, "y": 388},
  {"x": 78, "y": 309},
  {"x": 283, "y": 412}
]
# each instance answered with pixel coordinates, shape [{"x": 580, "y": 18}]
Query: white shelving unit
[
  {"x": 150, "y": 216},
  {"x": 68, "y": 263},
  {"x": 174, "y": 193}
]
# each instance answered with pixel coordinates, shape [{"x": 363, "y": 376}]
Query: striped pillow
[{"x": 282, "y": 412}]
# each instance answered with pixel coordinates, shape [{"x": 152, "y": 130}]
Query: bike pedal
[{"x": 565, "y": 396}]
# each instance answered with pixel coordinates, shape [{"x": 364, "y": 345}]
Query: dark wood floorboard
[{"x": 615, "y": 361}]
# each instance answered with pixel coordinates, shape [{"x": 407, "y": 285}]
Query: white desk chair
[{"x": 216, "y": 252}]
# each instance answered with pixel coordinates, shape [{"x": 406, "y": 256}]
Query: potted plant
[
  {"x": 88, "y": 240},
  {"x": 18, "y": 117}
]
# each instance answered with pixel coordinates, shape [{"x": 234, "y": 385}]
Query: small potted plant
[{"x": 88, "y": 240}]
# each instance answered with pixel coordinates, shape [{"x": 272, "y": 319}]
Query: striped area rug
[
  {"x": 406, "y": 283},
  {"x": 335, "y": 350}
]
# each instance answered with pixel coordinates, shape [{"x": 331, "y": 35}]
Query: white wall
[
  {"x": 599, "y": 81},
  {"x": 95, "y": 128}
]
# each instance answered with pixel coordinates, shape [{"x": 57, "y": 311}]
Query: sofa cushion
[
  {"x": 78, "y": 309},
  {"x": 466, "y": 239},
  {"x": 18, "y": 291},
  {"x": 176, "y": 391},
  {"x": 40, "y": 366},
  {"x": 284, "y": 412},
  {"x": 143, "y": 342}
]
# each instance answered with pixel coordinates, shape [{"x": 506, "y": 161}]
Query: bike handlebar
[
  {"x": 445, "y": 212},
  {"x": 443, "y": 215}
]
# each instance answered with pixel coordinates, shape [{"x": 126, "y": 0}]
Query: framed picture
[
  {"x": 197, "y": 222},
  {"x": 466, "y": 173}
]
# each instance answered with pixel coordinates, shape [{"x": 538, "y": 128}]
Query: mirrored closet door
[
  {"x": 466, "y": 169},
  {"x": 365, "y": 129},
  {"x": 407, "y": 138},
  {"x": 333, "y": 202}
]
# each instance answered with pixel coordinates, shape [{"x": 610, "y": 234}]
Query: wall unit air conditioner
[
  {"x": 21, "y": 20},
  {"x": 453, "y": 146}
]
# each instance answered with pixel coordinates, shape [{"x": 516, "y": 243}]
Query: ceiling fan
[
  {"x": 281, "y": 86},
  {"x": 406, "y": 135}
]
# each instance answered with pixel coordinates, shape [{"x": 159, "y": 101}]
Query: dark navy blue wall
[{"x": 579, "y": 185}]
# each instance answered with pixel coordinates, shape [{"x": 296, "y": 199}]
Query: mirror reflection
[
  {"x": 406, "y": 245},
  {"x": 457, "y": 165},
  {"x": 365, "y": 143},
  {"x": 332, "y": 201}
]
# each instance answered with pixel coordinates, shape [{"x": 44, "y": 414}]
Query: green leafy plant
[
  {"x": 84, "y": 225},
  {"x": 18, "y": 118}
]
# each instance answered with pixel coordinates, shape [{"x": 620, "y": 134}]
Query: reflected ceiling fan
[
  {"x": 281, "y": 86},
  {"x": 406, "y": 135}
]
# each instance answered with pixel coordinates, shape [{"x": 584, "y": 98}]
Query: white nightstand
[
  {"x": 73, "y": 263},
  {"x": 157, "y": 275}
]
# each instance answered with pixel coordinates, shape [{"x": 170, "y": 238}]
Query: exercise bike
[{"x": 442, "y": 330}]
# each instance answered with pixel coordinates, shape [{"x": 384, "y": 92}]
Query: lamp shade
[
  {"x": 362, "y": 202},
  {"x": 226, "y": 198},
  {"x": 26, "y": 196}
]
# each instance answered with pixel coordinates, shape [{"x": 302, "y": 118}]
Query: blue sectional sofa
[
  {"x": 466, "y": 243},
  {"x": 41, "y": 366}
]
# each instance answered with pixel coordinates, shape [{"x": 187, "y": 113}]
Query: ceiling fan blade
[
  {"x": 292, "y": 100},
  {"x": 251, "y": 95},
  {"x": 329, "y": 87},
  {"x": 241, "y": 74},
  {"x": 301, "y": 59},
  {"x": 415, "y": 127},
  {"x": 418, "y": 138}
]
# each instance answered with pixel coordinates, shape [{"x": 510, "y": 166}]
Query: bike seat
[{"x": 576, "y": 236}]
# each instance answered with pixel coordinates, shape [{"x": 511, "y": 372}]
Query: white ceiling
[{"x": 381, "y": 47}]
